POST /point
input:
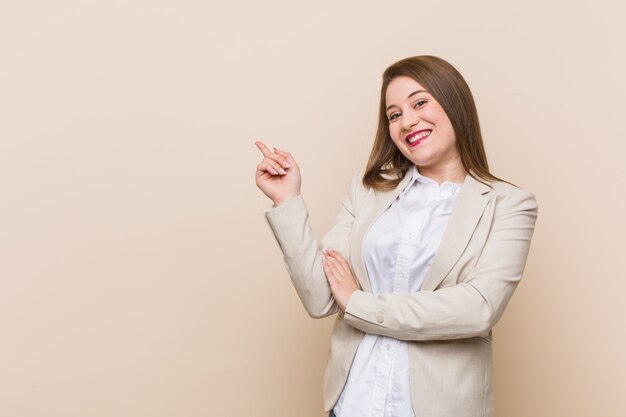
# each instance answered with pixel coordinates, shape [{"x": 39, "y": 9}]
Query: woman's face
[{"x": 419, "y": 126}]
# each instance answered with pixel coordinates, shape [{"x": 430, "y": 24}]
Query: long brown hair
[{"x": 448, "y": 87}]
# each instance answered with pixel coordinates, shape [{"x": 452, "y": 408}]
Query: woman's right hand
[{"x": 278, "y": 175}]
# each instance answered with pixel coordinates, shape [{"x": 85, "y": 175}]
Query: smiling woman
[
  {"x": 428, "y": 88},
  {"x": 417, "y": 119},
  {"x": 424, "y": 255}
]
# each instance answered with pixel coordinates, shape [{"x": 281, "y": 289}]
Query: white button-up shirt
[{"x": 398, "y": 250}]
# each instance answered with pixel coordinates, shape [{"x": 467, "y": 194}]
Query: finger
[
  {"x": 275, "y": 165},
  {"x": 346, "y": 272},
  {"x": 338, "y": 271},
  {"x": 268, "y": 167},
  {"x": 285, "y": 155},
  {"x": 280, "y": 159},
  {"x": 263, "y": 148},
  {"x": 262, "y": 171},
  {"x": 341, "y": 261},
  {"x": 330, "y": 274},
  {"x": 337, "y": 255}
]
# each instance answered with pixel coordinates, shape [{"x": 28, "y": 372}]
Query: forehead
[{"x": 400, "y": 88}]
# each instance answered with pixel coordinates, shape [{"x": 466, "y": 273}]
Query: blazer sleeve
[
  {"x": 302, "y": 255},
  {"x": 470, "y": 308}
]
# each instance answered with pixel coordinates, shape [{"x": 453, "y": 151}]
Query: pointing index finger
[{"x": 263, "y": 148}]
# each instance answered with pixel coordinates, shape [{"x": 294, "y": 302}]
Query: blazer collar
[{"x": 468, "y": 209}]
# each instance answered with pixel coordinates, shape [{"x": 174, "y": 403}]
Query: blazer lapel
[
  {"x": 382, "y": 201},
  {"x": 468, "y": 208}
]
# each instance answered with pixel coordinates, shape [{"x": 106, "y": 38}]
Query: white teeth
[{"x": 418, "y": 137}]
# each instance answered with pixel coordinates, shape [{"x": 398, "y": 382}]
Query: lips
[{"x": 414, "y": 138}]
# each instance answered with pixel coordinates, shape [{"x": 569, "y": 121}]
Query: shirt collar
[{"x": 419, "y": 178}]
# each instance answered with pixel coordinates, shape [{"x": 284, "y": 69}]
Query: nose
[{"x": 410, "y": 120}]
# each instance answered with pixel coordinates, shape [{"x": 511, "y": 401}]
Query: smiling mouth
[{"x": 415, "y": 138}]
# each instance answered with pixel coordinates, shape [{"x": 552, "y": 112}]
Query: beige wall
[{"x": 138, "y": 276}]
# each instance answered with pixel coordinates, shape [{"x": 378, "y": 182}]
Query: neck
[{"x": 452, "y": 172}]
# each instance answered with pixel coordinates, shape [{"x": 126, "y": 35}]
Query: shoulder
[
  {"x": 512, "y": 197},
  {"x": 359, "y": 195},
  {"x": 357, "y": 189}
]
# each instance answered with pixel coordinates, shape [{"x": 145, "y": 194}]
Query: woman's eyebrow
[
  {"x": 416, "y": 92},
  {"x": 409, "y": 96}
]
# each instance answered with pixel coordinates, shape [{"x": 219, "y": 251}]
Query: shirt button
[
  {"x": 380, "y": 318},
  {"x": 388, "y": 347}
]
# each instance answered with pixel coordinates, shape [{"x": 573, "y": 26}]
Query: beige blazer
[{"x": 448, "y": 322}]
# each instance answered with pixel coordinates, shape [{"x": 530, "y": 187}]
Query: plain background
[{"x": 137, "y": 274}]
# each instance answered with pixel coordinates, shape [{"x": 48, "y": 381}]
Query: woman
[{"x": 424, "y": 255}]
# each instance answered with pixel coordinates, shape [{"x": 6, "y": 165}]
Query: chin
[{"x": 420, "y": 162}]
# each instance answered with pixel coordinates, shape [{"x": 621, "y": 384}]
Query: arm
[
  {"x": 470, "y": 308},
  {"x": 302, "y": 255}
]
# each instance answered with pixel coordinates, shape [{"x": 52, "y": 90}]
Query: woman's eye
[
  {"x": 394, "y": 116},
  {"x": 420, "y": 103}
]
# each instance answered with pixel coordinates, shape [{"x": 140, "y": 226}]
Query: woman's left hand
[{"x": 339, "y": 276}]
